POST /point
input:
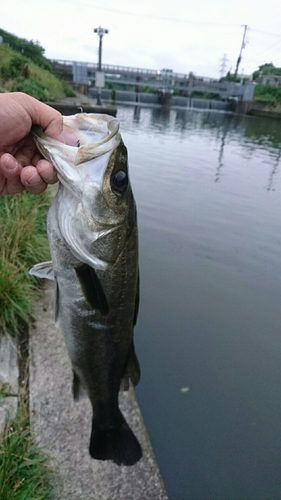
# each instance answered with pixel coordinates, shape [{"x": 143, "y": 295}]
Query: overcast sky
[{"x": 182, "y": 35}]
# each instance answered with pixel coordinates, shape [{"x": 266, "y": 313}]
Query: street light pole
[{"x": 100, "y": 32}]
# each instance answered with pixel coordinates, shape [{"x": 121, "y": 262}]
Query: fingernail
[
  {"x": 33, "y": 181},
  {"x": 11, "y": 166}
]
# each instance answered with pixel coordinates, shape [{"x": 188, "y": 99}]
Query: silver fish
[{"x": 93, "y": 238}]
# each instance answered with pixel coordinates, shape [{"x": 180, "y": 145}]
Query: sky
[{"x": 198, "y": 36}]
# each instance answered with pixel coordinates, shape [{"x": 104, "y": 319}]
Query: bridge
[{"x": 164, "y": 80}]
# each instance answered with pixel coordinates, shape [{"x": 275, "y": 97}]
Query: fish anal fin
[
  {"x": 78, "y": 390},
  {"x": 132, "y": 370},
  {"x": 92, "y": 288}
]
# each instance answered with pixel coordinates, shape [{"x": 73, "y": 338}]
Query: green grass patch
[
  {"x": 23, "y": 244},
  {"x": 18, "y": 73},
  {"x": 268, "y": 94},
  {"x": 24, "y": 471},
  {"x": 202, "y": 95},
  {"x": 30, "y": 86}
]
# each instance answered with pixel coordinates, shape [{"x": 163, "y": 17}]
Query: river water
[{"x": 208, "y": 191}]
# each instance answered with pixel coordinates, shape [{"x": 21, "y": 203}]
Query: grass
[
  {"x": 24, "y": 471},
  {"x": 23, "y": 244},
  {"x": 268, "y": 94},
  {"x": 54, "y": 88}
]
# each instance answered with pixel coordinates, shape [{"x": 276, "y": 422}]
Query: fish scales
[{"x": 93, "y": 238}]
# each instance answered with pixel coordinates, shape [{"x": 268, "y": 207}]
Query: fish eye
[{"x": 119, "y": 182}]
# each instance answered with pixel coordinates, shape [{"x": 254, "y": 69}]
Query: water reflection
[
  {"x": 161, "y": 119},
  {"x": 264, "y": 132},
  {"x": 207, "y": 187},
  {"x": 270, "y": 186},
  {"x": 137, "y": 113},
  {"x": 250, "y": 137},
  {"x": 226, "y": 126}
]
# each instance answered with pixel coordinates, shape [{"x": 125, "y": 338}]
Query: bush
[
  {"x": 68, "y": 90},
  {"x": 23, "y": 244},
  {"x": 268, "y": 93},
  {"x": 202, "y": 95},
  {"x": 32, "y": 50},
  {"x": 16, "y": 67},
  {"x": 24, "y": 470},
  {"x": 230, "y": 78},
  {"x": 31, "y": 87}
]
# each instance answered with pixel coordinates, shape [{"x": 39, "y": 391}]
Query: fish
[{"x": 93, "y": 239}]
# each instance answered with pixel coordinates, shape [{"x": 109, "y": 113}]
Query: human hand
[{"x": 21, "y": 164}]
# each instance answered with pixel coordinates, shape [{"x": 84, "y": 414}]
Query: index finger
[{"x": 41, "y": 114}]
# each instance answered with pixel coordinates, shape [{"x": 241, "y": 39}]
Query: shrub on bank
[
  {"x": 18, "y": 73},
  {"x": 268, "y": 94},
  {"x": 24, "y": 472},
  {"x": 23, "y": 244},
  {"x": 31, "y": 87}
]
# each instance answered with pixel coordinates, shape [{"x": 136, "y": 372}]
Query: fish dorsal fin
[
  {"x": 43, "y": 270},
  {"x": 132, "y": 370},
  {"x": 92, "y": 288}
]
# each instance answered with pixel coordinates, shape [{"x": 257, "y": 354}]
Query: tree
[
  {"x": 266, "y": 69},
  {"x": 28, "y": 48}
]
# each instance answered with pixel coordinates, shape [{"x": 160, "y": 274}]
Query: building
[{"x": 269, "y": 80}]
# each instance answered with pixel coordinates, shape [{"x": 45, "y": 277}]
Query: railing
[
  {"x": 84, "y": 72},
  {"x": 112, "y": 68}
]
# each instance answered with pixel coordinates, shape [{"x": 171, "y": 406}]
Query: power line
[
  {"x": 162, "y": 18},
  {"x": 268, "y": 49},
  {"x": 266, "y": 32}
]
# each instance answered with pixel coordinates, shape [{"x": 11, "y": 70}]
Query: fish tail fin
[{"x": 118, "y": 444}]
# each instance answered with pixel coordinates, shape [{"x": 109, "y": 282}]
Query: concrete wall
[
  {"x": 145, "y": 98},
  {"x": 126, "y": 96},
  {"x": 259, "y": 109}
]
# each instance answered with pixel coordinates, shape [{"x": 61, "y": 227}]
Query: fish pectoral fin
[
  {"x": 92, "y": 288},
  {"x": 132, "y": 370},
  {"x": 43, "y": 270}
]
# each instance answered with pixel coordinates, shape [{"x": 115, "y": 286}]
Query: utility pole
[
  {"x": 99, "y": 74},
  {"x": 223, "y": 65},
  {"x": 246, "y": 27}
]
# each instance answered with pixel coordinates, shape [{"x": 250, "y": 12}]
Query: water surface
[{"x": 208, "y": 191}]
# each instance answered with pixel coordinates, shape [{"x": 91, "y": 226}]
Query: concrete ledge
[
  {"x": 255, "y": 108},
  {"x": 72, "y": 109},
  {"x": 9, "y": 370},
  {"x": 73, "y": 105},
  {"x": 8, "y": 410},
  {"x": 62, "y": 427}
]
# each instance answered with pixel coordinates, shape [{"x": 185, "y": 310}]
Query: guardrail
[{"x": 159, "y": 80}]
